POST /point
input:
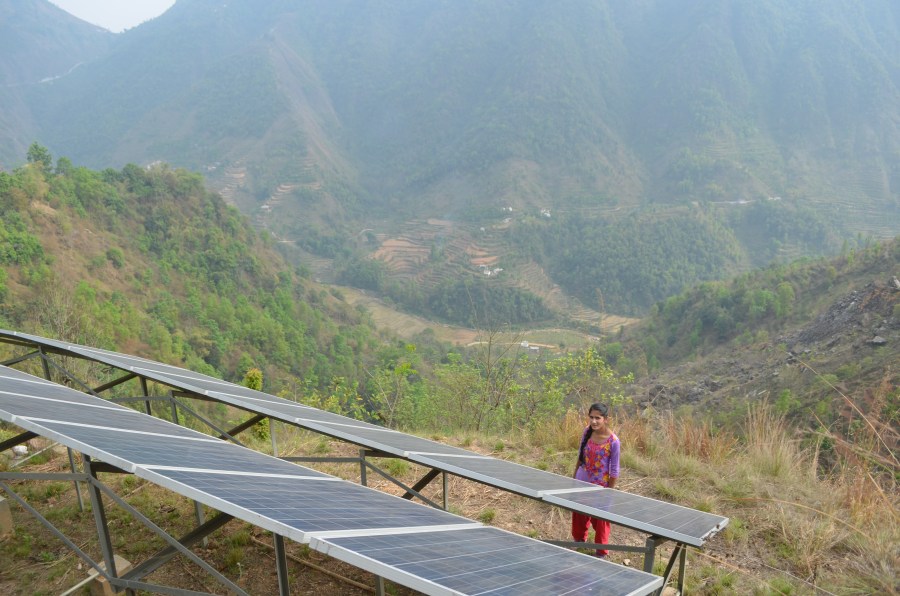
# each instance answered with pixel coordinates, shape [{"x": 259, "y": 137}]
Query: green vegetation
[
  {"x": 479, "y": 304},
  {"x": 631, "y": 263},
  {"x": 717, "y": 313},
  {"x": 150, "y": 254}
]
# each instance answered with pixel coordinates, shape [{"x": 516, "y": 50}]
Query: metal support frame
[
  {"x": 17, "y": 440},
  {"x": 241, "y": 427},
  {"x": 75, "y": 471},
  {"x": 162, "y": 556},
  {"x": 146, "y": 391},
  {"x": 131, "y": 580},
  {"x": 284, "y": 586},
  {"x": 47, "y": 362},
  {"x": 201, "y": 519},
  {"x": 173, "y": 405},
  {"x": 115, "y": 382},
  {"x": 47, "y": 524},
  {"x": 22, "y": 358},
  {"x": 410, "y": 491},
  {"x": 362, "y": 467},
  {"x": 679, "y": 554},
  {"x": 422, "y": 483},
  {"x": 100, "y": 520},
  {"x": 272, "y": 436},
  {"x": 45, "y": 365},
  {"x": 648, "y": 550}
]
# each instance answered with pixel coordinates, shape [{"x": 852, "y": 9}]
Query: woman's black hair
[{"x": 603, "y": 409}]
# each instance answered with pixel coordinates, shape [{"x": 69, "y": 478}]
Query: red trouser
[{"x": 581, "y": 523}]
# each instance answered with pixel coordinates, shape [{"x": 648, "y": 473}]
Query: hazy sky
[{"x": 115, "y": 15}]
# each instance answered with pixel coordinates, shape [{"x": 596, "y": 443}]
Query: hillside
[
  {"x": 816, "y": 339},
  {"x": 777, "y": 119},
  {"x": 150, "y": 262}
]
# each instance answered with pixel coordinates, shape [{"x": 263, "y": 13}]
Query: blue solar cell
[
  {"x": 315, "y": 505},
  {"x": 657, "y": 517},
  {"x": 492, "y": 561}
]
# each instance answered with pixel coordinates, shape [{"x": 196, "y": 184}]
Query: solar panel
[
  {"x": 487, "y": 561},
  {"x": 303, "y": 504},
  {"x": 310, "y": 507},
  {"x": 508, "y": 475},
  {"x": 656, "y": 517},
  {"x": 681, "y": 523},
  {"x": 394, "y": 442},
  {"x": 57, "y": 410},
  {"x": 16, "y": 381}
]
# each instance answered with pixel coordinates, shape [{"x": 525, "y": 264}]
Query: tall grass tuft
[
  {"x": 770, "y": 448},
  {"x": 636, "y": 432},
  {"x": 696, "y": 438},
  {"x": 563, "y": 436}
]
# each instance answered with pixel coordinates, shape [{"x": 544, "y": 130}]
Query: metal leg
[
  {"x": 230, "y": 585},
  {"x": 362, "y": 467},
  {"x": 146, "y": 393},
  {"x": 281, "y": 563},
  {"x": 100, "y": 519},
  {"x": 44, "y": 364},
  {"x": 77, "y": 486},
  {"x": 272, "y": 435},
  {"x": 649, "y": 554},
  {"x": 379, "y": 586},
  {"x": 446, "y": 484},
  {"x": 174, "y": 405},
  {"x": 201, "y": 519}
]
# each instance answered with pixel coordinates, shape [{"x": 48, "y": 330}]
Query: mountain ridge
[{"x": 318, "y": 119}]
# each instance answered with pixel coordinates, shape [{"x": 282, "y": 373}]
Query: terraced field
[{"x": 475, "y": 250}]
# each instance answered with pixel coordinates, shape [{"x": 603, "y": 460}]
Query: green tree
[
  {"x": 582, "y": 379},
  {"x": 38, "y": 154},
  {"x": 391, "y": 388},
  {"x": 253, "y": 379},
  {"x": 785, "y": 301}
]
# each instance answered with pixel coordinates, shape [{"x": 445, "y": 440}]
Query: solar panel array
[
  {"x": 424, "y": 548},
  {"x": 659, "y": 518}
]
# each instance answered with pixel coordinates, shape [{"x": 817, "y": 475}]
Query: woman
[{"x": 598, "y": 463}]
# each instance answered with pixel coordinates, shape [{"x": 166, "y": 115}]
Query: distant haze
[{"x": 115, "y": 15}]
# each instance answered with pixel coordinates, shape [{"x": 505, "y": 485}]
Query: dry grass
[{"x": 794, "y": 529}]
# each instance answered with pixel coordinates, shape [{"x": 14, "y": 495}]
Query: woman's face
[{"x": 598, "y": 421}]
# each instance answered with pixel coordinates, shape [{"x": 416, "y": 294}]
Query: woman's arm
[{"x": 614, "y": 449}]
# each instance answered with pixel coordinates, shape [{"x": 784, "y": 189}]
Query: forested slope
[{"x": 149, "y": 262}]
